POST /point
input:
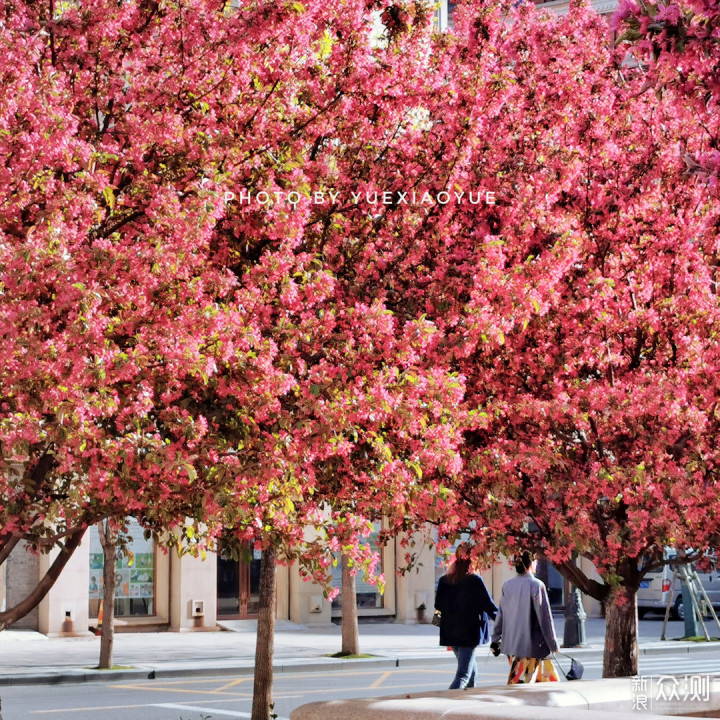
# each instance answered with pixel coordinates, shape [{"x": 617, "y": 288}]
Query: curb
[
  {"x": 159, "y": 673},
  {"x": 89, "y": 676},
  {"x": 685, "y": 648},
  {"x": 76, "y": 676},
  {"x": 669, "y": 647}
]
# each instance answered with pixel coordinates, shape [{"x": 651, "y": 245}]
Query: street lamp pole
[{"x": 575, "y": 615}]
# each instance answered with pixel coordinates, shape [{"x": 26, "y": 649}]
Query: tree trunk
[
  {"x": 262, "y": 705},
  {"x": 20, "y": 610},
  {"x": 621, "y": 648},
  {"x": 108, "y": 540},
  {"x": 350, "y": 640}
]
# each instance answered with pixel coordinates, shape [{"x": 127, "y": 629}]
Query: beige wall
[
  {"x": 282, "y": 603},
  {"x": 69, "y": 594},
  {"x": 22, "y": 574},
  {"x": 416, "y": 586},
  {"x": 497, "y": 575},
  {"x": 193, "y": 583},
  {"x": 305, "y": 602}
]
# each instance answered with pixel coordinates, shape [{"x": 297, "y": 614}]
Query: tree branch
[{"x": 577, "y": 577}]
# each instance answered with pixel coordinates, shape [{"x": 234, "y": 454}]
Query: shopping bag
[
  {"x": 527, "y": 671},
  {"x": 576, "y": 668}
]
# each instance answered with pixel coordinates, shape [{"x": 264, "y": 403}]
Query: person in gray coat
[{"x": 524, "y": 628}]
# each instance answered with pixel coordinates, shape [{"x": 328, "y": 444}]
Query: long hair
[{"x": 461, "y": 566}]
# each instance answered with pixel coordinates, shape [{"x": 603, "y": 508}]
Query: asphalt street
[{"x": 227, "y": 696}]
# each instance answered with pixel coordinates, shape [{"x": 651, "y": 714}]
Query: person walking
[
  {"x": 465, "y": 608},
  {"x": 524, "y": 628}
]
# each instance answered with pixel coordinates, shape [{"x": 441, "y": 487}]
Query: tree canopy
[{"x": 299, "y": 265}]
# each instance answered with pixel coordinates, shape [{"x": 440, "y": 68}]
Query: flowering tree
[
  {"x": 174, "y": 351},
  {"x": 677, "y": 41},
  {"x": 578, "y": 302},
  {"x": 266, "y": 270},
  {"x": 582, "y": 310}
]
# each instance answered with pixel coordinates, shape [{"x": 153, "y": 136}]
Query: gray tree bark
[
  {"x": 108, "y": 540},
  {"x": 262, "y": 705},
  {"x": 621, "y": 649},
  {"x": 350, "y": 635}
]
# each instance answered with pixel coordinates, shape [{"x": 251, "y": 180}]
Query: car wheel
[{"x": 678, "y": 611}]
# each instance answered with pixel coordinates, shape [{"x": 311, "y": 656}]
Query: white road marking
[{"x": 209, "y": 710}]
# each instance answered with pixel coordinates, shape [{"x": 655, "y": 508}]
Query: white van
[{"x": 654, "y": 592}]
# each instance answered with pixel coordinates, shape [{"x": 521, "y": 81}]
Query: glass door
[{"x": 238, "y": 585}]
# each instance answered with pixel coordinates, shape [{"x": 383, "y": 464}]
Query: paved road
[{"x": 227, "y": 696}]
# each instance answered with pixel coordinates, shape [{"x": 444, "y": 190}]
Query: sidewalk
[{"x": 27, "y": 657}]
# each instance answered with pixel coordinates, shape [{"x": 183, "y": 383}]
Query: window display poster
[{"x": 134, "y": 572}]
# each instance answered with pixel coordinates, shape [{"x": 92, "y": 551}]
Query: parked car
[{"x": 654, "y": 592}]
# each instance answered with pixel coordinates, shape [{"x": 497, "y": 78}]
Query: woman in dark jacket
[{"x": 465, "y": 607}]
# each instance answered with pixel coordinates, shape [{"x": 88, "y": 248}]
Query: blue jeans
[{"x": 466, "y": 669}]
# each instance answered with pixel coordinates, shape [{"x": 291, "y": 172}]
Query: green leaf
[
  {"x": 109, "y": 195},
  {"x": 326, "y": 44}
]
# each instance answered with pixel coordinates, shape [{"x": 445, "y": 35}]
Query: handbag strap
[{"x": 557, "y": 662}]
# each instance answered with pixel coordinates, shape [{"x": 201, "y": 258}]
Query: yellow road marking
[
  {"x": 380, "y": 680},
  {"x": 85, "y": 709},
  {"x": 180, "y": 690},
  {"x": 232, "y": 697},
  {"x": 171, "y": 686},
  {"x": 189, "y": 681},
  {"x": 233, "y": 683},
  {"x": 280, "y": 677},
  {"x": 404, "y": 686}
]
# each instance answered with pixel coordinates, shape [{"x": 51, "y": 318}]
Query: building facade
[
  {"x": 445, "y": 8},
  {"x": 161, "y": 590}
]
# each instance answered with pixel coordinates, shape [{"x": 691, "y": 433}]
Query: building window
[
  {"x": 444, "y": 15},
  {"x": 368, "y": 596},
  {"x": 134, "y": 575},
  {"x": 554, "y": 582}
]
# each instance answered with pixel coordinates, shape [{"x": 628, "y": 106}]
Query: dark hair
[
  {"x": 461, "y": 566},
  {"x": 523, "y": 561}
]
